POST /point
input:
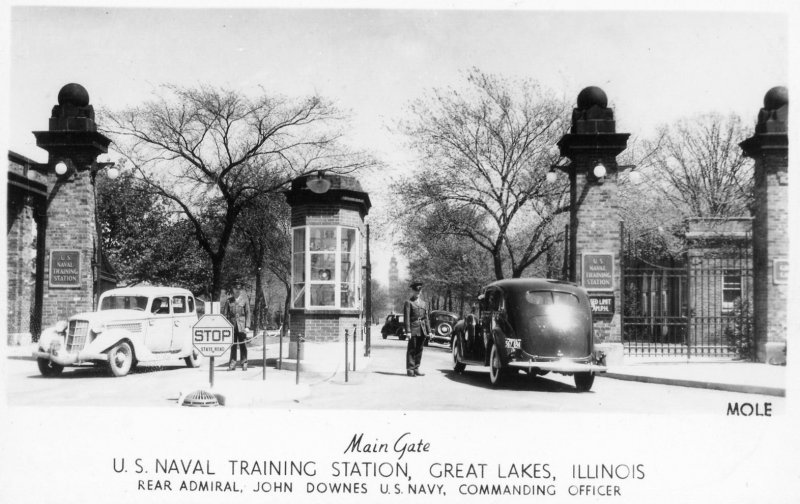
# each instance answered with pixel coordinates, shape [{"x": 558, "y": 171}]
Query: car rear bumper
[
  {"x": 440, "y": 338},
  {"x": 69, "y": 359},
  {"x": 560, "y": 366}
]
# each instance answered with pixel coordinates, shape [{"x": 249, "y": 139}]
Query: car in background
[
  {"x": 131, "y": 325},
  {"x": 441, "y": 323},
  {"x": 531, "y": 324},
  {"x": 394, "y": 326}
]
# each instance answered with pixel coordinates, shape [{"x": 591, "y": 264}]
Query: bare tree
[
  {"x": 699, "y": 167},
  {"x": 204, "y": 148},
  {"x": 485, "y": 152}
]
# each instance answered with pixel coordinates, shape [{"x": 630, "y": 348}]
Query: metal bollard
[
  {"x": 355, "y": 340},
  {"x": 300, "y": 340},
  {"x": 264, "y": 355},
  {"x": 346, "y": 356}
]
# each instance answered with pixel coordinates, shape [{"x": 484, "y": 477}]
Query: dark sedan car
[
  {"x": 441, "y": 324},
  {"x": 536, "y": 325},
  {"x": 394, "y": 326}
]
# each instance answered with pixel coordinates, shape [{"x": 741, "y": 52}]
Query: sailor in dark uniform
[{"x": 415, "y": 313}]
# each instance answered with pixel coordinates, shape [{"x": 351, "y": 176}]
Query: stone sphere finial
[
  {"x": 73, "y": 94},
  {"x": 776, "y": 98},
  {"x": 592, "y": 96}
]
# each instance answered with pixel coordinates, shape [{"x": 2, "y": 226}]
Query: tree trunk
[
  {"x": 286, "y": 304},
  {"x": 216, "y": 277},
  {"x": 498, "y": 266}
]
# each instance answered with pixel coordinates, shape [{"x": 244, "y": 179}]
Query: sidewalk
[{"x": 732, "y": 376}]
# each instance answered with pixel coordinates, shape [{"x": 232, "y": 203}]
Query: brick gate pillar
[
  {"x": 592, "y": 146},
  {"x": 769, "y": 148},
  {"x": 71, "y": 243}
]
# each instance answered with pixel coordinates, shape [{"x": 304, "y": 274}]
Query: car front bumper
[{"x": 69, "y": 359}]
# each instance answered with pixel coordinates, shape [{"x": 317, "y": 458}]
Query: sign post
[{"x": 212, "y": 336}]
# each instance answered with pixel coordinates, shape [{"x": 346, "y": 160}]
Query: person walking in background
[
  {"x": 415, "y": 314},
  {"x": 237, "y": 310}
]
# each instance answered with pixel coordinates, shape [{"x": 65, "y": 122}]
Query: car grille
[{"x": 76, "y": 335}]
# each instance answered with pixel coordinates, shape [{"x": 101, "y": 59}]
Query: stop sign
[{"x": 212, "y": 335}]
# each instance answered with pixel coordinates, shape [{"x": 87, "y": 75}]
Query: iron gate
[{"x": 695, "y": 305}]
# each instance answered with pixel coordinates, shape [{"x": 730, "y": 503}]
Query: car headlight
[
  {"x": 97, "y": 327},
  {"x": 61, "y": 326}
]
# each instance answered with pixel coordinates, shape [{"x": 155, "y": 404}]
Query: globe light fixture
[
  {"x": 599, "y": 170},
  {"x": 552, "y": 176},
  {"x": 318, "y": 184},
  {"x": 61, "y": 168},
  {"x": 636, "y": 177},
  {"x": 113, "y": 172}
]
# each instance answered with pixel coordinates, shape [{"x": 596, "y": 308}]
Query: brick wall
[
  {"x": 325, "y": 327},
  {"x": 70, "y": 225},
  {"x": 20, "y": 262},
  {"x": 771, "y": 242},
  {"x": 598, "y": 230}
]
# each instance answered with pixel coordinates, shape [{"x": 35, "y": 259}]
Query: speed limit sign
[{"x": 212, "y": 335}]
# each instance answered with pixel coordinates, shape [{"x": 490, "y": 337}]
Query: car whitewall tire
[
  {"x": 120, "y": 359},
  {"x": 495, "y": 367}
]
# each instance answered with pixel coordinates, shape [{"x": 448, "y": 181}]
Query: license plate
[{"x": 513, "y": 343}]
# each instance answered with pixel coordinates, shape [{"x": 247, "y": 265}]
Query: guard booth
[{"x": 327, "y": 288}]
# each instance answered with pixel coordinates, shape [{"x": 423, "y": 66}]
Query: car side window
[
  {"x": 178, "y": 304},
  {"x": 493, "y": 300},
  {"x": 160, "y": 306}
]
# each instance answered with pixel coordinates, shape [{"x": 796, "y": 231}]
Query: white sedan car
[{"x": 131, "y": 325}]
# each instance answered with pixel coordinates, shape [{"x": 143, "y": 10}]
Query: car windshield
[{"x": 124, "y": 303}]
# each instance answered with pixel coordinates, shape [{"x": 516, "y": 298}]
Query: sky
[{"x": 655, "y": 66}]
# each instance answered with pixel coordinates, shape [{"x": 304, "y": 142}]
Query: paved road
[
  {"x": 382, "y": 386},
  {"x": 386, "y": 386}
]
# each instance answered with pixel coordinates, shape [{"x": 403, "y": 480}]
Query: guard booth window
[{"x": 325, "y": 267}]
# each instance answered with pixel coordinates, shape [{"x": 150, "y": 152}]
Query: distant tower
[{"x": 393, "y": 274}]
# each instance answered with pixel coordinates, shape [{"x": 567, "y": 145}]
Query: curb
[{"x": 729, "y": 387}]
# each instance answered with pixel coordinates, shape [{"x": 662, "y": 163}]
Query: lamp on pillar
[
  {"x": 62, "y": 167},
  {"x": 599, "y": 171},
  {"x": 104, "y": 162}
]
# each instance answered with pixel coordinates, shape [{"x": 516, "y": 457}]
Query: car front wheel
[
  {"x": 458, "y": 366},
  {"x": 49, "y": 368},
  {"x": 193, "y": 360},
  {"x": 584, "y": 381},
  {"x": 495, "y": 367},
  {"x": 120, "y": 359}
]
